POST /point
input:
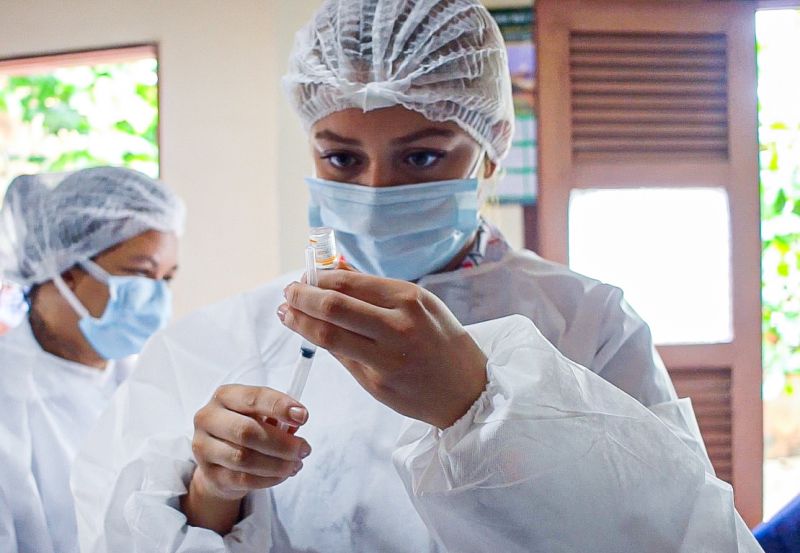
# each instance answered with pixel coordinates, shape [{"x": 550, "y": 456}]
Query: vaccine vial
[{"x": 323, "y": 240}]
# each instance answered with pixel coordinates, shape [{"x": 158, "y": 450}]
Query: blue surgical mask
[
  {"x": 403, "y": 232},
  {"x": 137, "y": 307}
]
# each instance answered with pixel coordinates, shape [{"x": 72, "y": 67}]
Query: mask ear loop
[
  {"x": 476, "y": 170},
  {"x": 71, "y": 298},
  {"x": 95, "y": 271},
  {"x": 485, "y": 185}
]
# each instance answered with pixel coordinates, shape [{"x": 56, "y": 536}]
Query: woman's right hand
[{"x": 239, "y": 448}]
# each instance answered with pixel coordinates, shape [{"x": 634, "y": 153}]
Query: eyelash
[
  {"x": 144, "y": 273},
  {"x": 437, "y": 156},
  {"x": 331, "y": 156},
  {"x": 353, "y": 160}
]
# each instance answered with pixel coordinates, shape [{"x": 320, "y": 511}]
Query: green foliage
[
  {"x": 78, "y": 117},
  {"x": 779, "y": 134}
]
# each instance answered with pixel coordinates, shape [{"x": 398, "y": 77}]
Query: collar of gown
[{"x": 50, "y": 372}]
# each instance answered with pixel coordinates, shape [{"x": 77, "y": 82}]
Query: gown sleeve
[
  {"x": 626, "y": 357},
  {"x": 136, "y": 464},
  {"x": 553, "y": 458}
]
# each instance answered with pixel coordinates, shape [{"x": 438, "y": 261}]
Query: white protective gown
[
  {"x": 48, "y": 405},
  {"x": 554, "y": 456}
]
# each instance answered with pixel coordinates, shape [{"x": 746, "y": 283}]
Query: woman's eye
[
  {"x": 138, "y": 272},
  {"x": 423, "y": 159},
  {"x": 341, "y": 161}
]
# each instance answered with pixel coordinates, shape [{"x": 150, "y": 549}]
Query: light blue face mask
[
  {"x": 137, "y": 307},
  {"x": 404, "y": 232}
]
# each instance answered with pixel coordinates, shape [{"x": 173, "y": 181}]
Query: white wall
[{"x": 229, "y": 143}]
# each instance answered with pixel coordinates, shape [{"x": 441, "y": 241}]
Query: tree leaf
[
  {"x": 75, "y": 159},
  {"x": 773, "y": 160},
  {"x": 782, "y": 243},
  {"x": 780, "y": 202},
  {"x": 125, "y": 127},
  {"x": 151, "y": 134},
  {"x": 148, "y": 93},
  {"x": 129, "y": 157},
  {"x": 61, "y": 117}
]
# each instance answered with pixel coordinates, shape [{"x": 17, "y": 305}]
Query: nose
[{"x": 379, "y": 174}]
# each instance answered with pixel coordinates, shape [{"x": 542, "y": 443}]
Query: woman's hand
[
  {"x": 239, "y": 448},
  {"x": 399, "y": 341}
]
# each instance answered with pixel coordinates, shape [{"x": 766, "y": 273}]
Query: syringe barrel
[{"x": 311, "y": 267}]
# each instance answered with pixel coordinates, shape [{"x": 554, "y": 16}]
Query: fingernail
[
  {"x": 286, "y": 290},
  {"x": 282, "y": 311},
  {"x": 305, "y": 451},
  {"x": 298, "y": 414},
  {"x": 297, "y": 468}
]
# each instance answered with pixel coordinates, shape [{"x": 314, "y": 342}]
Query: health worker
[{"x": 94, "y": 251}]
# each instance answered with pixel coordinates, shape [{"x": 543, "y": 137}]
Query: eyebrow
[
  {"x": 424, "y": 133},
  {"x": 413, "y": 137},
  {"x": 330, "y": 135}
]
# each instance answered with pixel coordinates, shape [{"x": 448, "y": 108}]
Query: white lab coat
[
  {"x": 48, "y": 405},
  {"x": 554, "y": 456}
]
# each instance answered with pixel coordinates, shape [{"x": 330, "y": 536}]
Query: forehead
[
  {"x": 161, "y": 246},
  {"x": 381, "y": 124}
]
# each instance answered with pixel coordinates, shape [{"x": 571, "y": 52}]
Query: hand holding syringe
[{"x": 322, "y": 250}]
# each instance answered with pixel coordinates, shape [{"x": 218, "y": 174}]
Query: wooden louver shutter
[{"x": 654, "y": 93}]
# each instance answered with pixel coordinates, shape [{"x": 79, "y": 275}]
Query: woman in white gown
[
  {"x": 549, "y": 424},
  {"x": 94, "y": 250}
]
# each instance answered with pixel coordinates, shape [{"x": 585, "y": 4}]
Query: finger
[
  {"x": 339, "y": 309},
  {"x": 259, "y": 401},
  {"x": 379, "y": 291},
  {"x": 245, "y": 431},
  {"x": 227, "y": 479},
  {"x": 344, "y": 265},
  {"x": 273, "y": 422},
  {"x": 235, "y": 457},
  {"x": 335, "y": 339}
]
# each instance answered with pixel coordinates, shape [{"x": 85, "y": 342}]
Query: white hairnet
[
  {"x": 50, "y": 222},
  {"x": 442, "y": 58}
]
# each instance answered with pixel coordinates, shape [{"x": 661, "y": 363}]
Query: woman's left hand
[{"x": 399, "y": 341}]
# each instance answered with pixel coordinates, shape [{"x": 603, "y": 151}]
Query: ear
[
  {"x": 71, "y": 277},
  {"x": 489, "y": 168}
]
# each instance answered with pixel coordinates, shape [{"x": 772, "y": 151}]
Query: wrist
[
  {"x": 206, "y": 507},
  {"x": 202, "y": 487},
  {"x": 471, "y": 386}
]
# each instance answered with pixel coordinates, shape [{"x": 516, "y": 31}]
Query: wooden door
[{"x": 654, "y": 99}]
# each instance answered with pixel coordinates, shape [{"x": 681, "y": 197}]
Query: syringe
[
  {"x": 307, "y": 349},
  {"x": 323, "y": 249}
]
